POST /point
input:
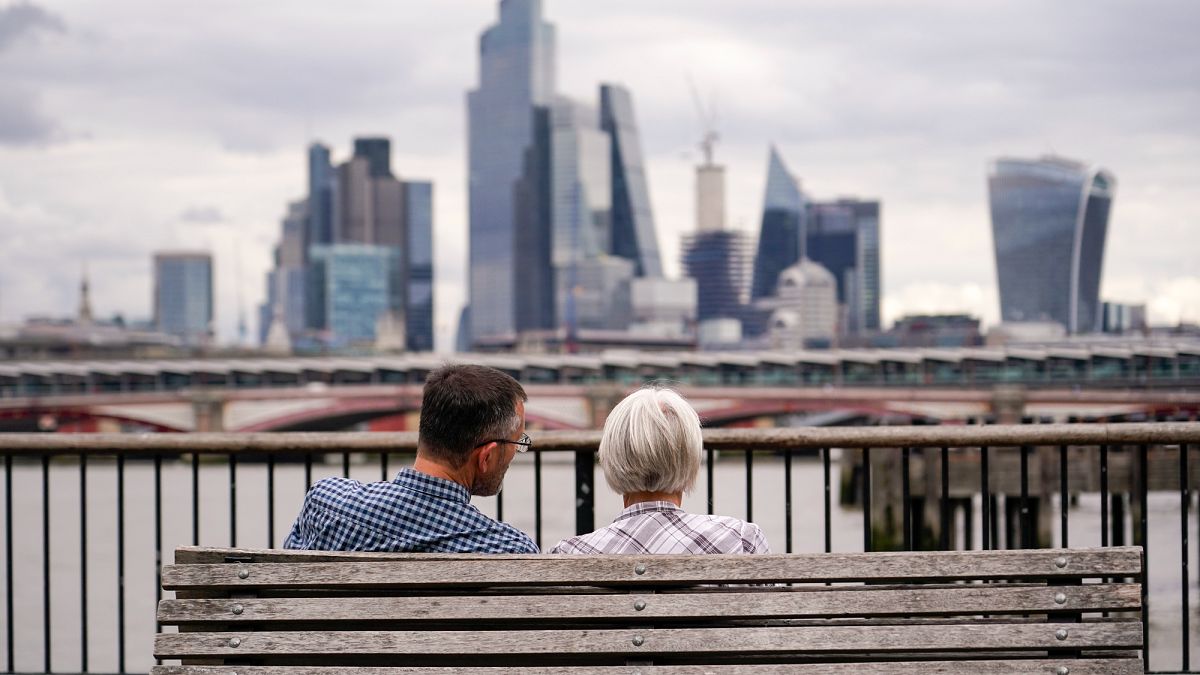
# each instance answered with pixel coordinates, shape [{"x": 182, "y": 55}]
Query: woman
[{"x": 650, "y": 453}]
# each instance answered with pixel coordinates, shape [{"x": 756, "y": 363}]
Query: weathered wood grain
[
  {"x": 1015, "y": 667},
  {"x": 724, "y": 603},
  {"x": 617, "y": 570},
  {"x": 632, "y": 643}
]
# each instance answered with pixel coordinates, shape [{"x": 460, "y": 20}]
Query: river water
[{"x": 66, "y": 610}]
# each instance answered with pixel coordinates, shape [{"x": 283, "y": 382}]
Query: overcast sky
[{"x": 128, "y": 126}]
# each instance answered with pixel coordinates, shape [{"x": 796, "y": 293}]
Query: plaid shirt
[
  {"x": 662, "y": 527},
  {"x": 415, "y": 512}
]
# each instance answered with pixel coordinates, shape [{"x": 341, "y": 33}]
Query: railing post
[{"x": 585, "y": 493}]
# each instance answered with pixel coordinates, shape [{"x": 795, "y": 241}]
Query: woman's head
[{"x": 651, "y": 443}]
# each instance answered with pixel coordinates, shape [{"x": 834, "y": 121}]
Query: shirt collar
[
  {"x": 440, "y": 488},
  {"x": 646, "y": 507}
]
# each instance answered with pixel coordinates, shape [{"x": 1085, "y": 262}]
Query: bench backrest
[{"x": 994, "y": 611}]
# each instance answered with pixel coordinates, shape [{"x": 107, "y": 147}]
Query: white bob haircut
[{"x": 651, "y": 443}]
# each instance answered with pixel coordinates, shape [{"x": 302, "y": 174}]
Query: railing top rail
[{"x": 722, "y": 439}]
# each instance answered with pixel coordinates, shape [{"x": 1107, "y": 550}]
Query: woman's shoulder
[{"x": 750, "y": 536}]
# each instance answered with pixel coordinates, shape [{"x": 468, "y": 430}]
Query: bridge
[
  {"x": 395, "y": 407},
  {"x": 1100, "y": 364},
  {"x": 1101, "y": 380}
]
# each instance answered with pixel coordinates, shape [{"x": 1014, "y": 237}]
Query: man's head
[{"x": 469, "y": 416}]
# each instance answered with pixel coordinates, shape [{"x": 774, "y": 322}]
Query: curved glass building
[{"x": 1049, "y": 223}]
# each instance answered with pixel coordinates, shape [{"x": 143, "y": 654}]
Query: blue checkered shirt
[{"x": 415, "y": 512}]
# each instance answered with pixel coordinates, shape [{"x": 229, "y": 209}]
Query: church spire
[{"x": 85, "y": 302}]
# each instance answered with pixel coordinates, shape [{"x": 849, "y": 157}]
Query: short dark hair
[{"x": 464, "y": 405}]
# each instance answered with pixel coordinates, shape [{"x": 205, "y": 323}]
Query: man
[{"x": 472, "y": 426}]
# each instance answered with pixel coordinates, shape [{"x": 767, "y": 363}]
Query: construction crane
[{"x": 708, "y": 122}]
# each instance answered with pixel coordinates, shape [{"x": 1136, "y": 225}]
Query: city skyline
[{"x": 175, "y": 151}]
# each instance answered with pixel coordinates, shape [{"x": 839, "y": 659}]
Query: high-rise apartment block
[
  {"x": 359, "y": 236},
  {"x": 183, "y": 296},
  {"x": 1049, "y": 225}
]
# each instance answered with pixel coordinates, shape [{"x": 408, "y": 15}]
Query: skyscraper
[
  {"x": 534, "y": 301},
  {"x": 355, "y": 286},
  {"x": 720, "y": 263},
  {"x": 843, "y": 236},
  {"x": 183, "y": 296},
  {"x": 633, "y": 233},
  {"x": 780, "y": 241},
  {"x": 358, "y": 203},
  {"x": 321, "y": 186},
  {"x": 418, "y": 263},
  {"x": 1049, "y": 224},
  {"x": 378, "y": 153},
  {"x": 286, "y": 288},
  {"x": 516, "y": 73}
]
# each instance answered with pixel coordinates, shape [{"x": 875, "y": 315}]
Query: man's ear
[{"x": 485, "y": 456}]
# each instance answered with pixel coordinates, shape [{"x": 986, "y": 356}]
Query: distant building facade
[
  {"x": 633, "y": 233},
  {"x": 1049, "y": 226},
  {"x": 560, "y": 215},
  {"x": 183, "y": 296},
  {"x": 843, "y": 236},
  {"x": 803, "y": 307},
  {"x": 356, "y": 286},
  {"x": 418, "y": 265},
  {"x": 516, "y": 73},
  {"x": 781, "y": 235},
  {"x": 1121, "y": 318},
  {"x": 665, "y": 307},
  {"x": 358, "y": 202},
  {"x": 719, "y": 261},
  {"x": 936, "y": 330}
]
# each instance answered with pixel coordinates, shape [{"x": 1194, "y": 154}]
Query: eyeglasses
[{"x": 523, "y": 443}]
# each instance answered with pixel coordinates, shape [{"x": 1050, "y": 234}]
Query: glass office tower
[
  {"x": 781, "y": 238},
  {"x": 633, "y": 233},
  {"x": 580, "y": 205},
  {"x": 418, "y": 316},
  {"x": 843, "y": 236},
  {"x": 183, "y": 296},
  {"x": 535, "y": 275},
  {"x": 1049, "y": 224},
  {"x": 355, "y": 285},
  {"x": 516, "y": 73}
]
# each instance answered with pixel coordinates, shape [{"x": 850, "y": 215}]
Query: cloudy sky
[{"x": 128, "y": 126}]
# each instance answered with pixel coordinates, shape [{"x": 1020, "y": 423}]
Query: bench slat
[
  {"x": 850, "y": 601},
  {"x": 423, "y": 571},
  {"x": 1015, "y": 667},
  {"x": 677, "y": 641}
]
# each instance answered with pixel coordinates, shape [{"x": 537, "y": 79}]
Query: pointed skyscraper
[
  {"x": 516, "y": 73},
  {"x": 781, "y": 238}
]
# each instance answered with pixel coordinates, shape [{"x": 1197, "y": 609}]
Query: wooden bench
[{"x": 269, "y": 612}]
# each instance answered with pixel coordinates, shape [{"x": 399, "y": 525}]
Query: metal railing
[{"x": 90, "y": 519}]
